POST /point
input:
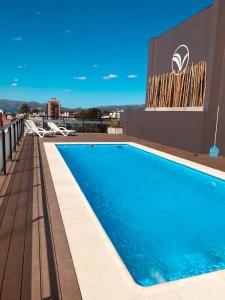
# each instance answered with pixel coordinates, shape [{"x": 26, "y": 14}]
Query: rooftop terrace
[{"x": 35, "y": 258}]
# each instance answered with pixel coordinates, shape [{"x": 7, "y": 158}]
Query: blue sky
[{"x": 85, "y": 53}]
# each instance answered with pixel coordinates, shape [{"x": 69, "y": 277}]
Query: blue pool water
[{"x": 165, "y": 220}]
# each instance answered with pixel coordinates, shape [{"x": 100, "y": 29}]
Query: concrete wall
[
  {"x": 177, "y": 129},
  {"x": 216, "y": 81}
]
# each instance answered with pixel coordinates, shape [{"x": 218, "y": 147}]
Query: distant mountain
[{"x": 14, "y": 106}]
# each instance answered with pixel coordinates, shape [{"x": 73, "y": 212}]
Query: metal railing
[
  {"x": 10, "y": 136},
  {"x": 79, "y": 124}
]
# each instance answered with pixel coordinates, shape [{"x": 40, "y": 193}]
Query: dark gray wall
[
  {"x": 216, "y": 81},
  {"x": 221, "y": 122},
  {"x": 204, "y": 34},
  {"x": 177, "y": 129},
  {"x": 195, "y": 33}
]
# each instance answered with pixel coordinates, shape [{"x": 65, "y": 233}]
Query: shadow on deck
[{"x": 32, "y": 252}]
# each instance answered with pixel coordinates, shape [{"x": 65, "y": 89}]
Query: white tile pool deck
[{"x": 101, "y": 273}]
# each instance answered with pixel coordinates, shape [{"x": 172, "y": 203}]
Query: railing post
[
  {"x": 45, "y": 120},
  {"x": 18, "y": 124},
  {"x": 14, "y": 132},
  {"x": 22, "y": 124},
  {"x": 1, "y": 120},
  {"x": 10, "y": 141},
  {"x": 3, "y": 152},
  {"x": 17, "y": 133},
  {"x": 20, "y": 129},
  {"x": 17, "y": 127},
  {"x": 101, "y": 126}
]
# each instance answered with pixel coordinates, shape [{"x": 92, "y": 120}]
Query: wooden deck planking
[
  {"x": 6, "y": 183},
  {"x": 66, "y": 276},
  {"x": 4, "y": 180},
  {"x": 36, "y": 268},
  {"x": 44, "y": 259},
  {"x": 205, "y": 159},
  {"x": 27, "y": 267},
  {"x": 27, "y": 255},
  {"x": 35, "y": 259},
  {"x": 8, "y": 210},
  {"x": 11, "y": 287}
]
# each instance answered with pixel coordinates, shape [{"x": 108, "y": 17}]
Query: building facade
[
  {"x": 53, "y": 109},
  {"x": 185, "y": 85}
]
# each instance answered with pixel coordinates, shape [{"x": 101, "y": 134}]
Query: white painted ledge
[{"x": 193, "y": 109}]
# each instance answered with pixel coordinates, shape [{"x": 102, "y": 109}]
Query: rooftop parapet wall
[
  {"x": 216, "y": 81},
  {"x": 181, "y": 129},
  {"x": 203, "y": 35}
]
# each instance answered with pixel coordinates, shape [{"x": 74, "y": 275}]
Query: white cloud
[
  {"x": 15, "y": 79},
  {"x": 22, "y": 66},
  {"x": 110, "y": 76},
  {"x": 95, "y": 65},
  {"x": 18, "y": 39},
  {"x": 67, "y": 90},
  {"x": 80, "y": 77},
  {"x": 13, "y": 84},
  {"x": 132, "y": 76}
]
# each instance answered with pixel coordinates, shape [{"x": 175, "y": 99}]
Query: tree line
[{"x": 90, "y": 113}]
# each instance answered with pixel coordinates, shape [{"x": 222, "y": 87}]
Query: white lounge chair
[
  {"x": 30, "y": 127},
  {"x": 62, "y": 130},
  {"x": 27, "y": 128}
]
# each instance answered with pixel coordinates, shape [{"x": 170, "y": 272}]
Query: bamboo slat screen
[{"x": 184, "y": 90}]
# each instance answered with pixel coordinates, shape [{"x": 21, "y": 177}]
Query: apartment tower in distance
[{"x": 53, "y": 109}]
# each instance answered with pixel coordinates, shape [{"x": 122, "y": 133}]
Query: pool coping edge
[{"x": 58, "y": 168}]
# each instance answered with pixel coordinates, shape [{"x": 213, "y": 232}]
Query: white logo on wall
[{"x": 180, "y": 59}]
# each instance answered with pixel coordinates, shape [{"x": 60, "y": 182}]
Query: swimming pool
[{"x": 165, "y": 220}]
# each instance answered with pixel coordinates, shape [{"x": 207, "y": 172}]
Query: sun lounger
[
  {"x": 31, "y": 128},
  {"x": 62, "y": 130}
]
